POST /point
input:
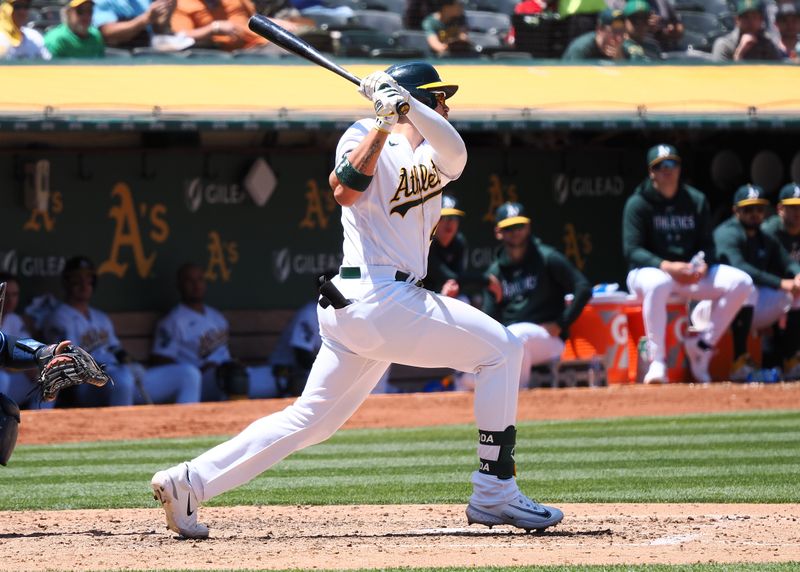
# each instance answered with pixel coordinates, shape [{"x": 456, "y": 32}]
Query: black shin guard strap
[{"x": 503, "y": 467}]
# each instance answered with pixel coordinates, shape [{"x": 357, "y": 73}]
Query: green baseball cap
[
  {"x": 662, "y": 152},
  {"x": 747, "y": 195},
  {"x": 609, "y": 16},
  {"x": 450, "y": 206},
  {"x": 509, "y": 214},
  {"x": 636, "y": 7},
  {"x": 744, "y": 6},
  {"x": 789, "y": 194}
]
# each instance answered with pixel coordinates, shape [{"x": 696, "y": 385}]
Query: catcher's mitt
[{"x": 64, "y": 365}]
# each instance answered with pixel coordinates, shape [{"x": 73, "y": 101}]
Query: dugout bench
[{"x": 253, "y": 336}]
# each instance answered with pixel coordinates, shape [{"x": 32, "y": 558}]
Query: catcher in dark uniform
[{"x": 60, "y": 365}]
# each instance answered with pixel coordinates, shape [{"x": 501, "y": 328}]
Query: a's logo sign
[
  {"x": 663, "y": 151},
  {"x": 796, "y": 193},
  {"x": 512, "y": 211},
  {"x": 752, "y": 192},
  {"x": 282, "y": 265}
]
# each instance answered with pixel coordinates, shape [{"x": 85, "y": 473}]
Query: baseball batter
[
  {"x": 666, "y": 224},
  {"x": 389, "y": 178},
  {"x": 741, "y": 243}
]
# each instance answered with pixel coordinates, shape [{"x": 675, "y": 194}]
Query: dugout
[{"x": 142, "y": 167}]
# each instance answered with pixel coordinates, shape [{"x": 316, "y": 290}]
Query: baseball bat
[{"x": 282, "y": 37}]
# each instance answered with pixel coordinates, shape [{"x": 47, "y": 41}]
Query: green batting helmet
[{"x": 421, "y": 79}]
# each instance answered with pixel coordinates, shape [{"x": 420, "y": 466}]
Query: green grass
[{"x": 740, "y": 457}]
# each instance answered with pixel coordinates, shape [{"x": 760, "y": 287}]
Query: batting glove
[
  {"x": 387, "y": 100},
  {"x": 371, "y": 83}
]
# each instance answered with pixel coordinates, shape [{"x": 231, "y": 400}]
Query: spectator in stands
[
  {"x": 17, "y": 41},
  {"x": 747, "y": 41},
  {"x": 447, "y": 258},
  {"x": 639, "y": 44},
  {"x": 196, "y": 334},
  {"x": 528, "y": 281},
  {"x": 666, "y": 24},
  {"x": 93, "y": 330},
  {"x": 665, "y": 226},
  {"x": 220, "y": 23},
  {"x": 605, "y": 43},
  {"x": 131, "y": 23},
  {"x": 787, "y": 21},
  {"x": 447, "y": 30},
  {"x": 18, "y": 385},
  {"x": 741, "y": 243},
  {"x": 76, "y": 37},
  {"x": 416, "y": 11}
]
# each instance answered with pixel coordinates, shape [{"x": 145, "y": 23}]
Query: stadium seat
[
  {"x": 385, "y": 22},
  {"x": 541, "y": 35},
  {"x": 328, "y": 21},
  {"x": 708, "y": 25},
  {"x": 395, "y": 6},
  {"x": 360, "y": 43},
  {"x": 502, "y": 6},
  {"x": 691, "y": 55},
  {"x": 153, "y": 53},
  {"x": 493, "y": 23},
  {"x": 709, "y": 6},
  {"x": 506, "y": 55},
  {"x": 695, "y": 41},
  {"x": 117, "y": 53},
  {"x": 413, "y": 39},
  {"x": 207, "y": 53}
]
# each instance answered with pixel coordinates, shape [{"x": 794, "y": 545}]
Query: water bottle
[{"x": 697, "y": 260}]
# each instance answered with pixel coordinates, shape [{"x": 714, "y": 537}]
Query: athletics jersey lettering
[
  {"x": 671, "y": 223},
  {"x": 519, "y": 286},
  {"x": 415, "y": 182}
]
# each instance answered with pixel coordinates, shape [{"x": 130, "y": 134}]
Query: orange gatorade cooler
[
  {"x": 602, "y": 330},
  {"x": 677, "y": 327}
]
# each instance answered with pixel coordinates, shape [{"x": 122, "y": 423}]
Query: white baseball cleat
[
  {"x": 656, "y": 373},
  {"x": 173, "y": 489},
  {"x": 522, "y": 512},
  {"x": 699, "y": 359}
]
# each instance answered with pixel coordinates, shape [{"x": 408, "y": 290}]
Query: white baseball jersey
[
  {"x": 94, "y": 333},
  {"x": 393, "y": 223},
  {"x": 197, "y": 338}
]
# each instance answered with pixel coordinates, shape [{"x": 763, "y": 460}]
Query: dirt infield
[{"x": 410, "y": 535}]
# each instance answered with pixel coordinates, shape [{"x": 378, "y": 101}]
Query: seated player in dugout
[
  {"x": 196, "y": 335},
  {"x": 528, "y": 282},
  {"x": 668, "y": 244},
  {"x": 447, "y": 258},
  {"x": 93, "y": 330},
  {"x": 742, "y": 243}
]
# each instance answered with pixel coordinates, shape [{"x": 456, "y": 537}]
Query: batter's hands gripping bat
[{"x": 282, "y": 37}]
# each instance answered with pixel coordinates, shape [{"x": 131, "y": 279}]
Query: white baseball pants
[
  {"x": 726, "y": 287},
  {"x": 540, "y": 348},
  {"x": 390, "y": 321},
  {"x": 769, "y": 305}
]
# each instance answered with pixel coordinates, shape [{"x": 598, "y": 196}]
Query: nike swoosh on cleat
[{"x": 189, "y": 511}]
